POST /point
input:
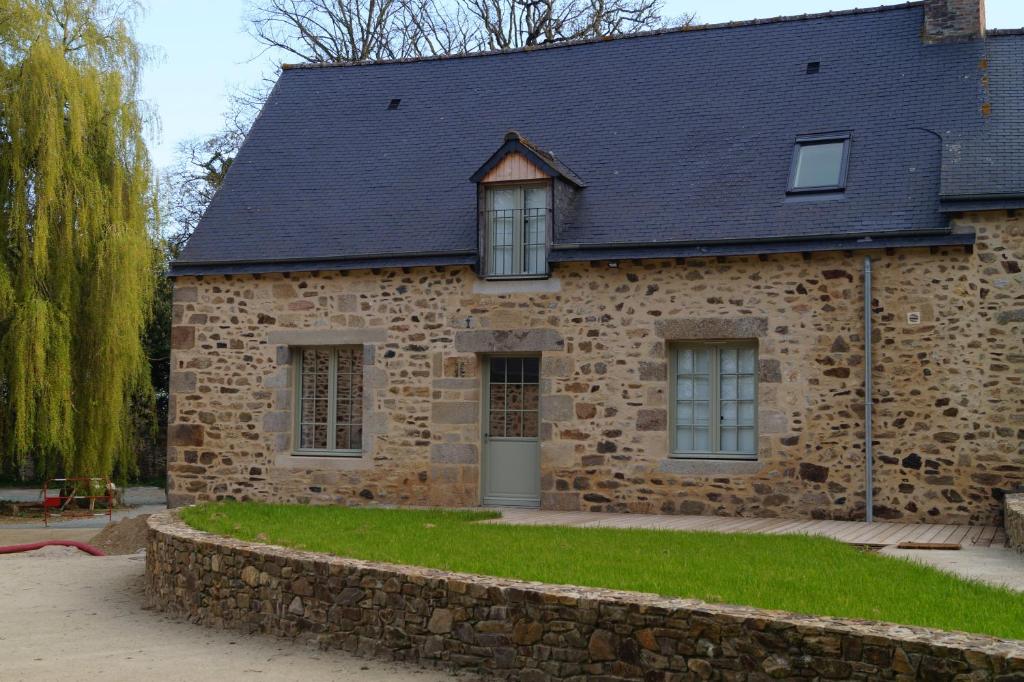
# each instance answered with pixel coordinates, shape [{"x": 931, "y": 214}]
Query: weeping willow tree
[{"x": 75, "y": 248}]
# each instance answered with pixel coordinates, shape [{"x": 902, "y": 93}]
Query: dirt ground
[
  {"x": 126, "y": 536},
  {"x": 65, "y": 611}
]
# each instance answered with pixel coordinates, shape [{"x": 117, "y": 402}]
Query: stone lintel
[
  {"x": 699, "y": 328},
  {"x": 508, "y": 341},
  {"x": 327, "y": 337}
]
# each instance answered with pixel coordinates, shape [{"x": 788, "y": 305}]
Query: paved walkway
[
  {"x": 67, "y": 616},
  {"x": 880, "y": 534}
]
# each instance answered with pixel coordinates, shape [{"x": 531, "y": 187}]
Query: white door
[{"x": 511, "y": 471}]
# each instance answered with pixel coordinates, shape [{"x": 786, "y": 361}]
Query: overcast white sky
[{"x": 201, "y": 50}]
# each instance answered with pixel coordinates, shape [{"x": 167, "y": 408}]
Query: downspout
[{"x": 869, "y": 514}]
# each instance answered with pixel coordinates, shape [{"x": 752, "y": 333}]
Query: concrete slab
[{"x": 993, "y": 565}]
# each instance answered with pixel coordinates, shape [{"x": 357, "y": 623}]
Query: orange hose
[{"x": 88, "y": 549}]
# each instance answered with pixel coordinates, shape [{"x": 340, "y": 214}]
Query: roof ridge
[
  {"x": 628, "y": 36},
  {"x": 999, "y": 32}
]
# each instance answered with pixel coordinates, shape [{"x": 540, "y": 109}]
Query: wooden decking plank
[
  {"x": 706, "y": 523},
  {"x": 857, "y": 531},
  {"x": 893, "y": 531},
  {"x": 972, "y": 534},
  {"x": 999, "y": 539},
  {"x": 921, "y": 530},
  {"x": 747, "y": 525},
  {"x": 959, "y": 535},
  {"x": 902, "y": 534},
  {"x": 869, "y": 533},
  {"x": 949, "y": 536},
  {"x": 942, "y": 535},
  {"x": 823, "y": 528},
  {"x": 881, "y": 534},
  {"x": 771, "y": 527},
  {"x": 739, "y": 525},
  {"x": 939, "y": 530},
  {"x": 780, "y": 527},
  {"x": 852, "y": 530},
  {"x": 934, "y": 530},
  {"x": 926, "y": 531},
  {"x": 756, "y": 526},
  {"x": 784, "y": 528},
  {"x": 803, "y": 528},
  {"x": 985, "y": 539},
  {"x": 883, "y": 531}
]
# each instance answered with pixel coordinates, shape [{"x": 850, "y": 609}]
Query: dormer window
[
  {"x": 517, "y": 230},
  {"x": 819, "y": 163},
  {"x": 518, "y": 186}
]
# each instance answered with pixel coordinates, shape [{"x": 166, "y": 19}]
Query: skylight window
[{"x": 819, "y": 163}]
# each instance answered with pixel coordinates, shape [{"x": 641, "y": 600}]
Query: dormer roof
[{"x": 541, "y": 160}]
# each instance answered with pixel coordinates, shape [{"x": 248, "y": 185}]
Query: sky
[{"x": 200, "y": 51}]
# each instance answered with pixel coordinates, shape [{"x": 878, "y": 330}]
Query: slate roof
[
  {"x": 682, "y": 138},
  {"x": 984, "y": 163}
]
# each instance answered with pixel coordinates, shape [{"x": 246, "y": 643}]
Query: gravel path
[{"x": 64, "y": 611}]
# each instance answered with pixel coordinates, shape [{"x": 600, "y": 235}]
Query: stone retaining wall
[
  {"x": 1014, "y": 520},
  {"x": 532, "y": 631}
]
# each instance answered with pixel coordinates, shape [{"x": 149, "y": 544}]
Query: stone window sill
[
  {"x": 339, "y": 462},
  {"x": 710, "y": 467}
]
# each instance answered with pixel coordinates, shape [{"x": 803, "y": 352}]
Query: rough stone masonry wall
[
  {"x": 531, "y": 631},
  {"x": 1015, "y": 521},
  {"x": 949, "y": 413}
]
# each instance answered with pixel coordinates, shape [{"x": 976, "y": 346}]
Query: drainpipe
[{"x": 869, "y": 496}]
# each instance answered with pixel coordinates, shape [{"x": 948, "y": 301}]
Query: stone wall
[
  {"x": 1015, "y": 521},
  {"x": 949, "y": 412},
  {"x": 531, "y": 631}
]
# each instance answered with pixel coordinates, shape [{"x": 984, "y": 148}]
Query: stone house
[{"x": 624, "y": 275}]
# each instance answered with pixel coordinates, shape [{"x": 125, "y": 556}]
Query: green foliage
[
  {"x": 789, "y": 572},
  {"x": 75, "y": 253}
]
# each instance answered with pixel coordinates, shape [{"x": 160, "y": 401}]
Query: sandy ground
[
  {"x": 994, "y": 565},
  {"x": 64, "y": 611}
]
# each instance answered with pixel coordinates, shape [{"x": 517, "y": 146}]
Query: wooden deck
[{"x": 853, "y": 532}]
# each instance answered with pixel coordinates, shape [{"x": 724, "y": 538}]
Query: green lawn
[{"x": 792, "y": 573}]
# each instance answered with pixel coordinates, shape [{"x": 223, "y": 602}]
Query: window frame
[
  {"x": 485, "y": 422},
  {"x": 518, "y": 228},
  {"x": 714, "y": 400},
  {"x": 332, "y": 404},
  {"x": 811, "y": 140}
]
